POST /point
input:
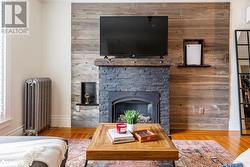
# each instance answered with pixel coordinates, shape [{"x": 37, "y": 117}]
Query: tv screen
[{"x": 135, "y": 36}]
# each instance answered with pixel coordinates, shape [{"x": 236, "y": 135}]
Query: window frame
[{"x": 6, "y": 121}]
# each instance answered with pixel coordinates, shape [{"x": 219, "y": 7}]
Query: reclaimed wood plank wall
[{"x": 191, "y": 89}]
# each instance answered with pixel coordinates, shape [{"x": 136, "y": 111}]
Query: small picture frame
[{"x": 193, "y": 52}]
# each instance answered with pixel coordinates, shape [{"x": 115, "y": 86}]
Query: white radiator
[{"x": 37, "y": 105}]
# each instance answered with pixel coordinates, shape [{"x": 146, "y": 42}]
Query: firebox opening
[{"x": 143, "y": 106}]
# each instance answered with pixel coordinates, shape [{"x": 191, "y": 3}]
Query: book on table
[{"x": 116, "y": 137}]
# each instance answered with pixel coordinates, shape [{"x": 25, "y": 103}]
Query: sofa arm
[{"x": 244, "y": 158}]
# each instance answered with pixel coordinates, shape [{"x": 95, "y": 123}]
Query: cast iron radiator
[{"x": 37, "y": 105}]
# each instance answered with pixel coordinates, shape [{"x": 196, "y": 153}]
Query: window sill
[{"x": 5, "y": 123}]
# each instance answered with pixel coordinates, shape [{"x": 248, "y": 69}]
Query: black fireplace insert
[{"x": 147, "y": 103}]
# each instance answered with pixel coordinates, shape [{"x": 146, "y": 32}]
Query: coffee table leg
[
  {"x": 166, "y": 163},
  {"x": 86, "y": 163},
  {"x": 173, "y": 164}
]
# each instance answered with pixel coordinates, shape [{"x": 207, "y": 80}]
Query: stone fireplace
[{"x": 134, "y": 84}]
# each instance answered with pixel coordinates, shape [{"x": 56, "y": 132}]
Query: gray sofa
[{"x": 11, "y": 139}]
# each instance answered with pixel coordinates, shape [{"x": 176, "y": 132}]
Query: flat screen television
[{"x": 133, "y": 36}]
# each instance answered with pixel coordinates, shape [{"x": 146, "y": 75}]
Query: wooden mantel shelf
[{"x": 132, "y": 62}]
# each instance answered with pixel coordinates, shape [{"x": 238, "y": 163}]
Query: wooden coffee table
[{"x": 101, "y": 147}]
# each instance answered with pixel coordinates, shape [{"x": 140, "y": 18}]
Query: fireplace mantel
[{"x": 132, "y": 62}]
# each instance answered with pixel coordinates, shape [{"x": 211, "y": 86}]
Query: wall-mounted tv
[{"x": 133, "y": 36}]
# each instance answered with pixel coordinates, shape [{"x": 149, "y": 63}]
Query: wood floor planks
[{"x": 230, "y": 140}]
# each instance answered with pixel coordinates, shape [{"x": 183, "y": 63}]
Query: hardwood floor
[
  {"x": 69, "y": 133},
  {"x": 232, "y": 141}
]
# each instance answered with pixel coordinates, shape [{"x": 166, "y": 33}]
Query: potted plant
[{"x": 131, "y": 117}]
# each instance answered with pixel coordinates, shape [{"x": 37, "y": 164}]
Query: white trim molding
[
  {"x": 5, "y": 123},
  {"x": 60, "y": 121},
  {"x": 16, "y": 132},
  {"x": 248, "y": 15}
]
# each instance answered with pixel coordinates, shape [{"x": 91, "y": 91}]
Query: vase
[{"x": 131, "y": 127}]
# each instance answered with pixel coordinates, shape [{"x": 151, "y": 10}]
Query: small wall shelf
[
  {"x": 193, "y": 46},
  {"x": 79, "y": 104},
  {"x": 203, "y": 65}
]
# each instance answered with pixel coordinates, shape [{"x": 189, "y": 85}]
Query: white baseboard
[
  {"x": 56, "y": 121},
  {"x": 16, "y": 132},
  {"x": 60, "y": 121}
]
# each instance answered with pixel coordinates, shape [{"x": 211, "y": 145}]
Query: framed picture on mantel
[{"x": 193, "y": 52}]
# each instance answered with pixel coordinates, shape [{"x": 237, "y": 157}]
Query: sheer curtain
[{"x": 2, "y": 76}]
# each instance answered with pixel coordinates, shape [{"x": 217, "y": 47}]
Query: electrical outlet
[
  {"x": 193, "y": 109},
  {"x": 201, "y": 110},
  {"x": 78, "y": 108}
]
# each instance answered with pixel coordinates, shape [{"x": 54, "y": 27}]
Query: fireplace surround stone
[{"x": 115, "y": 78}]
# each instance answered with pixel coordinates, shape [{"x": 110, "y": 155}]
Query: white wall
[
  {"x": 57, "y": 58},
  {"x": 24, "y": 61},
  {"x": 46, "y": 51},
  {"x": 238, "y": 21}
]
